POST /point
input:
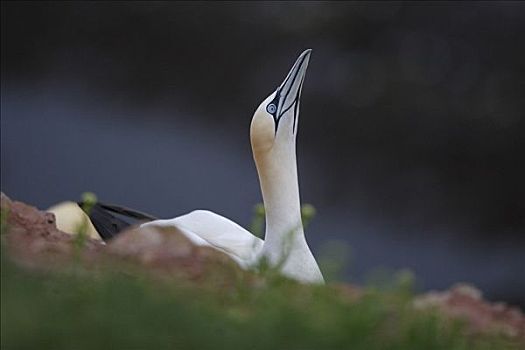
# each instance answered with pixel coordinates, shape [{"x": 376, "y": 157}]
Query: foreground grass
[{"x": 81, "y": 309}]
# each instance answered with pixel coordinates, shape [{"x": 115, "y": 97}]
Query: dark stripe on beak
[{"x": 289, "y": 93}]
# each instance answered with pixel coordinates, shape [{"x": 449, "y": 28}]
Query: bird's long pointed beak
[{"x": 290, "y": 90}]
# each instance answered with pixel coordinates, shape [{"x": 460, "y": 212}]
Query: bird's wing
[
  {"x": 110, "y": 220},
  {"x": 105, "y": 221},
  {"x": 107, "y": 224},
  {"x": 127, "y": 212},
  {"x": 207, "y": 228}
]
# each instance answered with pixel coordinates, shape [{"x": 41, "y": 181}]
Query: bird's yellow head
[{"x": 275, "y": 120}]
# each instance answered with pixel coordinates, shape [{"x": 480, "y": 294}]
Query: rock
[
  {"x": 33, "y": 239},
  {"x": 465, "y": 302},
  {"x": 167, "y": 249},
  {"x": 25, "y": 219}
]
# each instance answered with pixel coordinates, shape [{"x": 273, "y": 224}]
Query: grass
[
  {"x": 83, "y": 306},
  {"x": 82, "y": 309}
]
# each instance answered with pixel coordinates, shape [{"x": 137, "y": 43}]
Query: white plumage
[
  {"x": 272, "y": 134},
  {"x": 205, "y": 228}
]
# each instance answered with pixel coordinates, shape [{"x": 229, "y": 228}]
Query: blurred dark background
[{"x": 411, "y": 142}]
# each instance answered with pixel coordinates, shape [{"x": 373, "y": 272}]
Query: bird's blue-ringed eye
[{"x": 271, "y": 108}]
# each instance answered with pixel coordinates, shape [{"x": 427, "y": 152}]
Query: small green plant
[
  {"x": 263, "y": 266},
  {"x": 257, "y": 225},
  {"x": 404, "y": 281},
  {"x": 334, "y": 257},
  {"x": 308, "y": 212},
  {"x": 400, "y": 282},
  {"x": 3, "y": 228},
  {"x": 88, "y": 201},
  {"x": 272, "y": 270},
  {"x": 4, "y": 212}
]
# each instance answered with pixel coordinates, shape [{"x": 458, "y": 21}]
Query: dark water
[{"x": 411, "y": 140}]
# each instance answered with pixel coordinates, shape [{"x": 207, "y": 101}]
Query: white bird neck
[
  {"x": 284, "y": 236},
  {"x": 277, "y": 170},
  {"x": 284, "y": 239}
]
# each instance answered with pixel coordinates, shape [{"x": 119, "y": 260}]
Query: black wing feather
[
  {"x": 109, "y": 225},
  {"x": 132, "y": 213}
]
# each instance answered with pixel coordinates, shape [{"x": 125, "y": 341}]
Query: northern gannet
[{"x": 273, "y": 134}]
